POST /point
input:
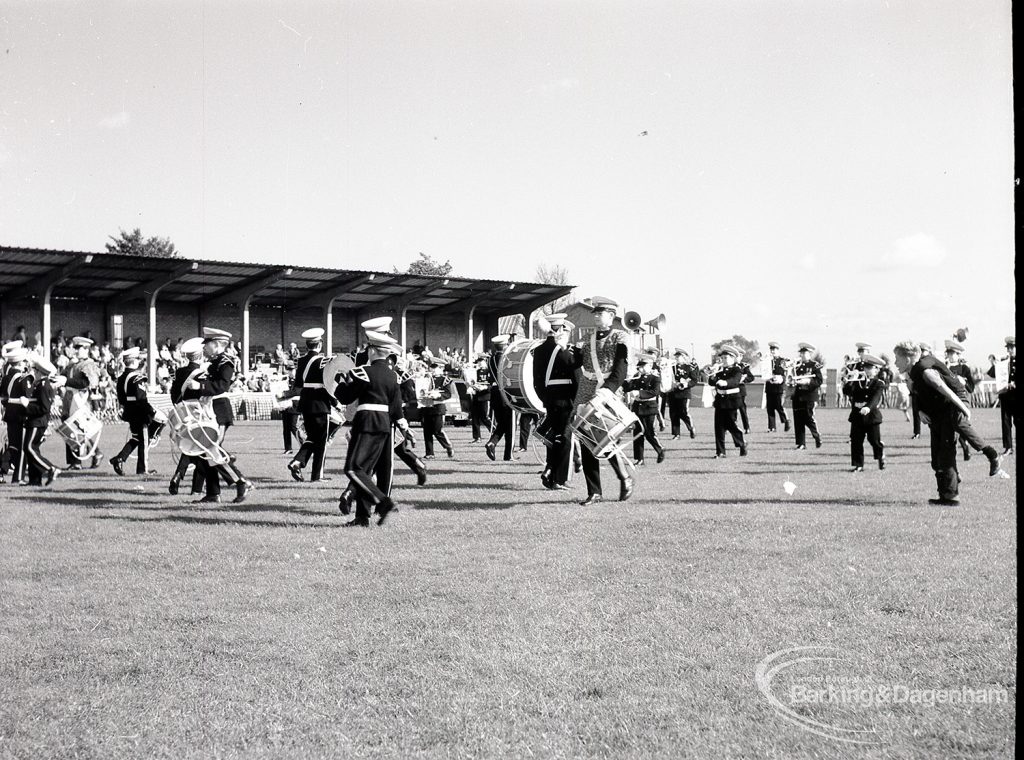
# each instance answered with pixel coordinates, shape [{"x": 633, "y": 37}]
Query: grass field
[{"x": 491, "y": 617}]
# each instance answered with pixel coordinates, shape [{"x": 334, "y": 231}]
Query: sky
[{"x": 808, "y": 170}]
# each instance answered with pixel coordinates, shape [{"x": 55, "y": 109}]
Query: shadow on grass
[
  {"x": 449, "y": 506},
  {"x": 219, "y": 520},
  {"x": 803, "y": 502}
]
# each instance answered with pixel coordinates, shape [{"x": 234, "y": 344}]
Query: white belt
[
  {"x": 859, "y": 404},
  {"x": 130, "y": 398},
  {"x": 373, "y": 408},
  {"x": 559, "y": 382},
  {"x": 312, "y": 385},
  {"x": 726, "y": 391},
  {"x": 647, "y": 400},
  {"x": 219, "y": 395}
]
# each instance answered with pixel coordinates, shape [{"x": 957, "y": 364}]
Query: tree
[
  {"x": 552, "y": 274},
  {"x": 426, "y": 265},
  {"x": 132, "y": 244},
  {"x": 750, "y": 348}
]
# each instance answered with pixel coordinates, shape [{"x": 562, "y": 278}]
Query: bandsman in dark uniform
[
  {"x": 83, "y": 377},
  {"x": 185, "y": 387},
  {"x": 15, "y": 382},
  {"x": 315, "y": 405},
  {"x": 379, "y": 411},
  {"x": 132, "y": 395},
  {"x": 748, "y": 377},
  {"x": 554, "y": 380},
  {"x": 215, "y": 386},
  {"x": 480, "y": 381},
  {"x": 775, "y": 387},
  {"x": 406, "y": 442},
  {"x": 1007, "y": 393},
  {"x": 685, "y": 375},
  {"x": 605, "y": 362},
  {"x": 866, "y": 394},
  {"x": 647, "y": 386},
  {"x": 501, "y": 411},
  {"x": 806, "y": 381},
  {"x": 727, "y": 383},
  {"x": 433, "y": 413},
  {"x": 960, "y": 370},
  {"x": 41, "y": 471},
  {"x": 381, "y": 325}
]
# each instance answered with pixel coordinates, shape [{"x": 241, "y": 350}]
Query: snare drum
[
  {"x": 195, "y": 431},
  {"x": 81, "y": 431},
  {"x": 601, "y": 423},
  {"x": 515, "y": 377}
]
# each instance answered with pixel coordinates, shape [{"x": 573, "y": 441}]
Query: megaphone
[
  {"x": 961, "y": 334},
  {"x": 632, "y": 321},
  {"x": 657, "y": 324}
]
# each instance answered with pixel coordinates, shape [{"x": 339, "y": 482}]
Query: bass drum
[
  {"x": 333, "y": 370},
  {"x": 515, "y": 377}
]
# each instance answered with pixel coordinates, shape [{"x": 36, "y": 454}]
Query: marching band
[{"x": 588, "y": 403}]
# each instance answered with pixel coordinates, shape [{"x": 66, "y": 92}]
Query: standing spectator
[{"x": 1008, "y": 392}]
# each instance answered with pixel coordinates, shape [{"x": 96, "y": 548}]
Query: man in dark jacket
[
  {"x": 866, "y": 395},
  {"x": 554, "y": 380}
]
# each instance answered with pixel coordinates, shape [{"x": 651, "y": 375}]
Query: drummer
[
  {"x": 192, "y": 350},
  {"x": 502, "y": 412},
  {"x": 137, "y": 412},
  {"x": 83, "y": 377},
  {"x": 315, "y": 405},
  {"x": 554, "y": 379},
  {"x": 605, "y": 360}
]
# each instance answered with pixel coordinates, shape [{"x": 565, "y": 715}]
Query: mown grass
[{"x": 491, "y": 617}]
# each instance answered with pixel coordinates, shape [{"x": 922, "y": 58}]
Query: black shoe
[
  {"x": 357, "y": 523},
  {"x": 994, "y": 465},
  {"x": 945, "y": 502},
  {"x": 421, "y": 476},
  {"x": 559, "y": 487},
  {"x": 118, "y": 466},
  {"x": 296, "y": 470},
  {"x": 1008, "y": 452},
  {"x": 52, "y": 476},
  {"x": 786, "y": 428},
  {"x": 289, "y": 451},
  {"x": 817, "y": 443},
  {"x": 801, "y": 447},
  {"x": 96, "y": 459},
  {"x": 592, "y": 499},
  {"x": 75, "y": 466},
  {"x": 692, "y": 434},
  {"x": 625, "y": 489},
  {"x": 172, "y": 487},
  {"x": 967, "y": 455},
  {"x": 743, "y": 450},
  {"x": 577, "y": 466},
  {"x": 214, "y": 499},
  {"x": 675, "y": 437},
  {"x": 915, "y": 436},
  {"x": 385, "y": 506},
  {"x": 451, "y": 452},
  {"x": 546, "y": 482},
  {"x": 661, "y": 456},
  {"x": 242, "y": 489},
  {"x": 489, "y": 448},
  {"x": 324, "y": 479},
  {"x": 476, "y": 440},
  {"x": 638, "y": 463},
  {"x": 857, "y": 469},
  {"x": 771, "y": 430},
  {"x": 746, "y": 431},
  {"x": 428, "y": 456},
  {"x": 719, "y": 456},
  {"x": 881, "y": 463}
]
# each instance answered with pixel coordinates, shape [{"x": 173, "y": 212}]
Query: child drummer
[{"x": 866, "y": 396}]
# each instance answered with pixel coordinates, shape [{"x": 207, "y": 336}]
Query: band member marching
[
  {"x": 605, "y": 359},
  {"x": 37, "y": 418},
  {"x": 685, "y": 374},
  {"x": 185, "y": 387},
  {"x": 647, "y": 386},
  {"x": 502, "y": 412},
  {"x": 15, "y": 382},
  {"x": 806, "y": 381},
  {"x": 215, "y": 385},
  {"x": 83, "y": 377},
  {"x": 748, "y": 377},
  {"x": 375, "y": 388},
  {"x": 775, "y": 388},
  {"x": 315, "y": 405},
  {"x": 132, "y": 387},
  {"x": 866, "y": 395},
  {"x": 727, "y": 383},
  {"x": 554, "y": 380},
  {"x": 433, "y": 409}
]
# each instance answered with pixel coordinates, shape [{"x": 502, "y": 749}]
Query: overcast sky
[{"x": 815, "y": 170}]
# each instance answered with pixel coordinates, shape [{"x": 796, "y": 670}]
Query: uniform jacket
[
  {"x": 1008, "y": 394},
  {"x": 612, "y": 354},
  {"x": 179, "y": 392},
  {"x": 727, "y": 397},
  {"x": 649, "y": 389},
  {"x": 930, "y": 400},
  {"x": 309, "y": 379},
  {"x": 778, "y": 370},
  {"x": 443, "y": 384},
  {"x": 866, "y": 394},
  {"x": 482, "y": 376},
  {"x": 375, "y": 384},
  {"x": 492, "y": 364},
  {"x": 131, "y": 394},
  {"x": 689, "y": 374},
  {"x": 554, "y": 374},
  {"x": 15, "y": 386},
  {"x": 748, "y": 377},
  {"x": 218, "y": 383},
  {"x": 37, "y": 413},
  {"x": 805, "y": 396},
  {"x": 962, "y": 370}
]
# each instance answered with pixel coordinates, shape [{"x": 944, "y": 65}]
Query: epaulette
[{"x": 359, "y": 373}]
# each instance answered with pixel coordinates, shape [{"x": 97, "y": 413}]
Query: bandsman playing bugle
[
  {"x": 685, "y": 375},
  {"x": 806, "y": 380},
  {"x": 727, "y": 382},
  {"x": 866, "y": 394},
  {"x": 775, "y": 388}
]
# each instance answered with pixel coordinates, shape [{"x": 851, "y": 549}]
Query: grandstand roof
[{"x": 28, "y": 272}]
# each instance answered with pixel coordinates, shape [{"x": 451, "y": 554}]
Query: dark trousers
[
  {"x": 968, "y": 436},
  {"x": 141, "y": 432},
  {"x": 362, "y": 465},
  {"x": 214, "y": 473},
  {"x": 15, "y": 450},
  {"x": 38, "y": 465},
  {"x": 318, "y": 428},
  {"x": 725, "y": 420},
  {"x": 916, "y": 414},
  {"x": 645, "y": 431},
  {"x": 527, "y": 422},
  {"x": 181, "y": 469},
  {"x": 290, "y": 428},
  {"x": 1007, "y": 409},
  {"x": 479, "y": 414},
  {"x": 407, "y": 455},
  {"x": 803, "y": 419},
  {"x": 592, "y": 469},
  {"x": 433, "y": 427},
  {"x": 873, "y": 431},
  {"x": 743, "y": 415},
  {"x": 774, "y": 405},
  {"x": 679, "y": 411},
  {"x": 502, "y": 428},
  {"x": 559, "y": 455},
  {"x": 943, "y": 428}
]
